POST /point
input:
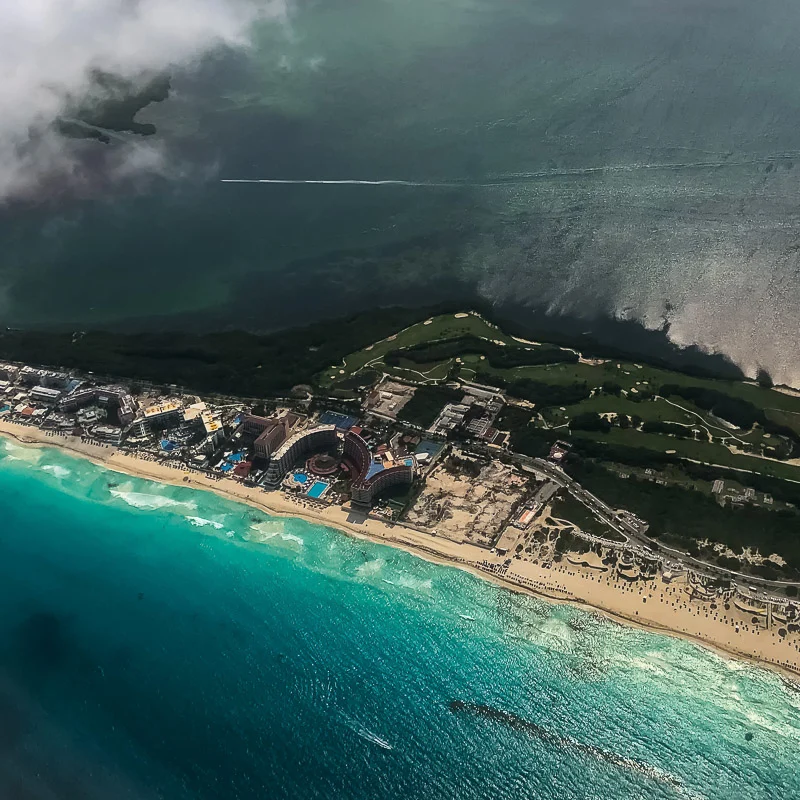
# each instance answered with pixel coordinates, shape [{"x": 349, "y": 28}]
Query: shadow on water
[{"x": 41, "y": 642}]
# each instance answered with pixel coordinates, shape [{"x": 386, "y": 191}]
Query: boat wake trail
[
  {"x": 518, "y": 178},
  {"x": 349, "y": 182},
  {"x": 365, "y": 733}
]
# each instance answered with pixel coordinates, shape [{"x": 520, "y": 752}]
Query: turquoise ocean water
[{"x": 162, "y": 642}]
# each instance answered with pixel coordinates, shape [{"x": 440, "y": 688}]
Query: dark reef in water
[{"x": 517, "y": 723}]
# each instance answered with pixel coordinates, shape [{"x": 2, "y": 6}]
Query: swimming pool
[
  {"x": 300, "y": 477},
  {"x": 318, "y": 488}
]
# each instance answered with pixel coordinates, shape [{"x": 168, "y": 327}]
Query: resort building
[
  {"x": 213, "y": 428},
  {"x": 127, "y": 408},
  {"x": 198, "y": 418},
  {"x": 274, "y": 434},
  {"x": 9, "y": 372},
  {"x": 42, "y": 394},
  {"x": 77, "y": 399},
  {"x": 253, "y": 425},
  {"x": 105, "y": 396},
  {"x": 303, "y": 443},
  {"x": 364, "y": 491},
  {"x": 163, "y": 415},
  {"x": 372, "y": 475}
]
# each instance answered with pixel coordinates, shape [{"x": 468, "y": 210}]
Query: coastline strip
[{"x": 574, "y": 589}]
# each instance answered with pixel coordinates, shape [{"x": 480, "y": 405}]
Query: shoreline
[{"x": 676, "y": 615}]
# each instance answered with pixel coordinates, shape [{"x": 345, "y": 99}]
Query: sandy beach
[{"x": 669, "y": 607}]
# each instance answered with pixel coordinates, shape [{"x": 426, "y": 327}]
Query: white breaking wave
[
  {"x": 266, "y": 531},
  {"x": 150, "y": 502},
  {"x": 371, "y": 567},
  {"x": 59, "y": 472},
  {"x": 417, "y": 584},
  {"x": 17, "y": 452},
  {"x": 201, "y": 522}
]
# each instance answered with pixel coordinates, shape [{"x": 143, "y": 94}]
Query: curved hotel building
[
  {"x": 293, "y": 449},
  {"x": 370, "y": 475}
]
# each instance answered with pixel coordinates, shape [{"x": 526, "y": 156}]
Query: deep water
[
  {"x": 161, "y": 642},
  {"x": 619, "y": 159}
]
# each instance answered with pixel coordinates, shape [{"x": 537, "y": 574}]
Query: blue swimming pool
[
  {"x": 300, "y": 477},
  {"x": 317, "y": 489}
]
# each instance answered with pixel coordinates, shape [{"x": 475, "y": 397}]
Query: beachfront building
[
  {"x": 105, "y": 396},
  {"x": 158, "y": 417},
  {"x": 372, "y": 475},
  {"x": 163, "y": 415},
  {"x": 364, "y": 491},
  {"x": 198, "y": 419},
  {"x": 302, "y": 444}
]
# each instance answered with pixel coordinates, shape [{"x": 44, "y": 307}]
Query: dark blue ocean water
[{"x": 159, "y": 642}]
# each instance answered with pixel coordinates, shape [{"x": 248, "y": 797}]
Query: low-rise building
[{"x": 45, "y": 395}]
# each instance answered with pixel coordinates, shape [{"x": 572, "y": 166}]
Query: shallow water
[{"x": 158, "y": 641}]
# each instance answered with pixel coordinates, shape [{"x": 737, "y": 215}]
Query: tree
[
  {"x": 764, "y": 379},
  {"x": 590, "y": 421}
]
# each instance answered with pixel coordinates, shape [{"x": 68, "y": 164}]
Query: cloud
[{"x": 50, "y": 49}]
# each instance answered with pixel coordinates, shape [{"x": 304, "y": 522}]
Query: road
[{"x": 634, "y": 535}]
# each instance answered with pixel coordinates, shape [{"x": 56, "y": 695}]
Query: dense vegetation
[
  {"x": 590, "y": 421},
  {"x": 684, "y": 516},
  {"x": 567, "y": 507},
  {"x": 526, "y": 438},
  {"x": 498, "y": 356},
  {"x": 785, "y": 491},
  {"x": 427, "y": 402},
  {"x": 538, "y": 392},
  {"x": 225, "y": 363}
]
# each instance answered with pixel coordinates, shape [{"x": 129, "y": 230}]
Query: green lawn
[
  {"x": 648, "y": 410},
  {"x": 443, "y": 327},
  {"x": 780, "y": 407}
]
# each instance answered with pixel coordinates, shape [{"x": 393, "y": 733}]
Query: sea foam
[
  {"x": 150, "y": 502},
  {"x": 201, "y": 522},
  {"x": 55, "y": 469}
]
